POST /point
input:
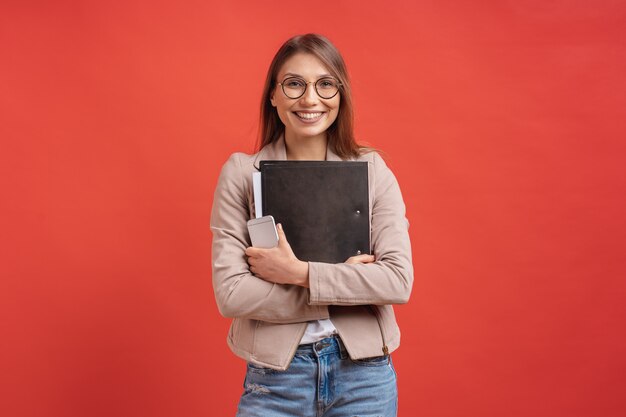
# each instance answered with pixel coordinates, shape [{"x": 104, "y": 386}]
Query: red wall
[{"x": 503, "y": 121}]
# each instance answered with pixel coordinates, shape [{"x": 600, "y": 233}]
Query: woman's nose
[{"x": 310, "y": 95}]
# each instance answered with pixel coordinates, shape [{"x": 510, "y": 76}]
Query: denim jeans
[{"x": 322, "y": 381}]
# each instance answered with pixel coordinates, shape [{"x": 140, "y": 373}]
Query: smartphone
[{"x": 263, "y": 232}]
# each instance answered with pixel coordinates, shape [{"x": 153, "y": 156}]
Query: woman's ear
[{"x": 272, "y": 99}]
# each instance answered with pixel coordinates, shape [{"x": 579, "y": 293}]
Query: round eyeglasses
[{"x": 295, "y": 87}]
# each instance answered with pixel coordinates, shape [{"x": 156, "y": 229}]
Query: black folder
[{"x": 322, "y": 205}]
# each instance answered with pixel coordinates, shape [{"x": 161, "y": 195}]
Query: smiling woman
[
  {"x": 327, "y": 329},
  {"x": 304, "y": 112},
  {"x": 305, "y": 60}
]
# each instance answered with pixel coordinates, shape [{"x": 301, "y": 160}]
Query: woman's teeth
[{"x": 309, "y": 116}]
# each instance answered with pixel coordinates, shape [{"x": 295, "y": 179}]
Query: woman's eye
[
  {"x": 326, "y": 83},
  {"x": 294, "y": 83}
]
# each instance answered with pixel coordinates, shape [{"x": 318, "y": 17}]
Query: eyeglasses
[{"x": 295, "y": 87}]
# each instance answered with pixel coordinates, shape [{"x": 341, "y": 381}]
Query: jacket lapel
[
  {"x": 330, "y": 155},
  {"x": 275, "y": 151}
]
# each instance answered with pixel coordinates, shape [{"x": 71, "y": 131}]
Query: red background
[{"x": 503, "y": 121}]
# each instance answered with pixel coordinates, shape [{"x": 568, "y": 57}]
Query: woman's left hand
[{"x": 278, "y": 264}]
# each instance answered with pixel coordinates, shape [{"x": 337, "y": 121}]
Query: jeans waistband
[{"x": 325, "y": 346}]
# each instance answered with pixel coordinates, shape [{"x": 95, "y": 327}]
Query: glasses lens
[
  {"x": 327, "y": 87},
  {"x": 293, "y": 87}
]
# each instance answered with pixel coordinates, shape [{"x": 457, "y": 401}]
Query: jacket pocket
[{"x": 236, "y": 329}]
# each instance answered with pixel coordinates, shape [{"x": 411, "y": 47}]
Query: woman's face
[{"x": 310, "y": 115}]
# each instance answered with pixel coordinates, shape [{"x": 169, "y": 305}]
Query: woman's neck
[{"x": 307, "y": 148}]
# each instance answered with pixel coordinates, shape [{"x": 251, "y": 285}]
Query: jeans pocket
[
  {"x": 374, "y": 361},
  {"x": 261, "y": 370}
]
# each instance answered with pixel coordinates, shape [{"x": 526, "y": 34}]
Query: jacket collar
[{"x": 277, "y": 151}]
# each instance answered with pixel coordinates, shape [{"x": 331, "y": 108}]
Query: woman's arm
[
  {"x": 237, "y": 291},
  {"x": 359, "y": 280},
  {"x": 389, "y": 279}
]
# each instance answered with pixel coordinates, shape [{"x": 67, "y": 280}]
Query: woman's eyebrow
[{"x": 291, "y": 74}]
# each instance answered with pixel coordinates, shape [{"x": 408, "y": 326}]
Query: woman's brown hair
[{"x": 340, "y": 133}]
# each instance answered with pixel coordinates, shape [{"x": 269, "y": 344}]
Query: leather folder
[{"x": 322, "y": 205}]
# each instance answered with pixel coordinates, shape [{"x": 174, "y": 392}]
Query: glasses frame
[{"x": 306, "y": 85}]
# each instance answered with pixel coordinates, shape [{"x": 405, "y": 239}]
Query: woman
[{"x": 317, "y": 337}]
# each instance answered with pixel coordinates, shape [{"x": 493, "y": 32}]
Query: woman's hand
[
  {"x": 360, "y": 259},
  {"x": 278, "y": 264}
]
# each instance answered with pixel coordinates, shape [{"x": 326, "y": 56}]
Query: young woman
[{"x": 317, "y": 337}]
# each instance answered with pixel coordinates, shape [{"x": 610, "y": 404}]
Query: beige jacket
[{"x": 270, "y": 319}]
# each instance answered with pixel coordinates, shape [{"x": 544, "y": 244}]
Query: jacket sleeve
[
  {"x": 237, "y": 291},
  {"x": 389, "y": 279}
]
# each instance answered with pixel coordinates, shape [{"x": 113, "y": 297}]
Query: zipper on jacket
[{"x": 376, "y": 313}]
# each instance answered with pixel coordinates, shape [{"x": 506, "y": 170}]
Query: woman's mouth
[{"x": 309, "y": 117}]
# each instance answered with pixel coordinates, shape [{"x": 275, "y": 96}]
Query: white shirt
[{"x": 318, "y": 330}]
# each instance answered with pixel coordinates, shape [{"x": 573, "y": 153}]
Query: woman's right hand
[{"x": 360, "y": 259}]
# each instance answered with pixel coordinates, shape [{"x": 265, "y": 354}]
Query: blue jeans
[{"x": 322, "y": 381}]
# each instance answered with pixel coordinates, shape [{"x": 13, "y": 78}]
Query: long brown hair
[{"x": 340, "y": 133}]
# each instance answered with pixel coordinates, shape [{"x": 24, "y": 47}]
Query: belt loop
[{"x": 342, "y": 348}]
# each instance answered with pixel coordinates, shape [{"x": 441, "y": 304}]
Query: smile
[{"x": 309, "y": 117}]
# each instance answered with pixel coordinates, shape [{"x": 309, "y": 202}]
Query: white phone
[{"x": 263, "y": 232}]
